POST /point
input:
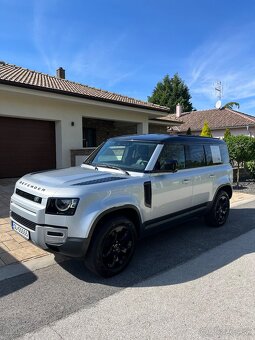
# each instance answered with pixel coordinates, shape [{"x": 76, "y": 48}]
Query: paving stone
[
  {"x": 4, "y": 228},
  {"x": 5, "y": 237},
  {"x": 12, "y": 244},
  {"x": 19, "y": 238}
]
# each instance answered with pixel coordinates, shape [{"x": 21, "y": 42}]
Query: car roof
[{"x": 164, "y": 138}]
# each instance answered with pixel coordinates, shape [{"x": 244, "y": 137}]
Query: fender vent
[
  {"x": 100, "y": 180},
  {"x": 147, "y": 194}
]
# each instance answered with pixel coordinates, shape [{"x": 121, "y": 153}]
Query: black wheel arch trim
[
  {"x": 224, "y": 186},
  {"x": 221, "y": 187},
  {"x": 115, "y": 209}
]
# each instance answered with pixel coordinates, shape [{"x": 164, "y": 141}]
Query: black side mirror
[{"x": 171, "y": 165}]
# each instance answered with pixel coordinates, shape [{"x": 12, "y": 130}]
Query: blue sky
[{"x": 128, "y": 46}]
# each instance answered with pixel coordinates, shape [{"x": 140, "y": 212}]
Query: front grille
[
  {"x": 28, "y": 196},
  {"x": 23, "y": 221}
]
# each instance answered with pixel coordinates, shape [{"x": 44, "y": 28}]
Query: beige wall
[
  {"x": 219, "y": 133},
  {"x": 24, "y": 103}
]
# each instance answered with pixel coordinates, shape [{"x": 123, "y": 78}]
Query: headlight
[{"x": 61, "y": 206}]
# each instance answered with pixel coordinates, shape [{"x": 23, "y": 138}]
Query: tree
[
  {"x": 227, "y": 133},
  {"x": 189, "y": 131},
  {"x": 230, "y": 105},
  {"x": 206, "y": 131},
  {"x": 171, "y": 91},
  {"x": 241, "y": 149}
]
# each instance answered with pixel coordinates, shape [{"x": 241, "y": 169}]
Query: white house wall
[{"x": 32, "y": 104}]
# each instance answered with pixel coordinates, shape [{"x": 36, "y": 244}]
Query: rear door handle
[
  {"x": 186, "y": 181},
  {"x": 212, "y": 176}
]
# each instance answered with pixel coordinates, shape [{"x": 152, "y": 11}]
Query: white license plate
[{"x": 22, "y": 231}]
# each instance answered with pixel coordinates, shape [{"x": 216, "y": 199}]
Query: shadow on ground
[
  {"x": 176, "y": 246},
  {"x": 9, "y": 285}
]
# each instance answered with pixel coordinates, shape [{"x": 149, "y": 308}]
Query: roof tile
[
  {"x": 216, "y": 118},
  {"x": 15, "y": 75}
]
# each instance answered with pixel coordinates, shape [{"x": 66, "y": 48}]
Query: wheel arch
[
  {"x": 224, "y": 187},
  {"x": 129, "y": 211}
]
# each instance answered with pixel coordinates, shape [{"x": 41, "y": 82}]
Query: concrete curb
[{"x": 20, "y": 268}]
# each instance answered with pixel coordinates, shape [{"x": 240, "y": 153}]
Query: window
[
  {"x": 127, "y": 155},
  {"x": 171, "y": 152},
  {"x": 216, "y": 154},
  {"x": 195, "y": 156},
  {"x": 89, "y": 137}
]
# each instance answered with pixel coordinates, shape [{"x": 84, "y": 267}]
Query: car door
[
  {"x": 171, "y": 192},
  {"x": 202, "y": 174}
]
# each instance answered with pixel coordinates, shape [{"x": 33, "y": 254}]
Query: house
[
  {"x": 218, "y": 120},
  {"x": 44, "y": 119}
]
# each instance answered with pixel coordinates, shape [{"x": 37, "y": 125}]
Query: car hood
[{"x": 67, "y": 177}]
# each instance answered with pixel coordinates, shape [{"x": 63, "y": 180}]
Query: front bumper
[{"x": 52, "y": 238}]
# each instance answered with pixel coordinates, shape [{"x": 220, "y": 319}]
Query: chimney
[
  {"x": 61, "y": 73},
  {"x": 178, "y": 110}
]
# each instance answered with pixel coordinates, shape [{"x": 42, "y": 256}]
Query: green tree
[
  {"x": 171, "y": 91},
  {"x": 230, "y": 105},
  {"x": 227, "y": 133},
  {"x": 189, "y": 131},
  {"x": 206, "y": 131},
  {"x": 241, "y": 149}
]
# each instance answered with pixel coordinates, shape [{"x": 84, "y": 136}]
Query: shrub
[{"x": 250, "y": 166}]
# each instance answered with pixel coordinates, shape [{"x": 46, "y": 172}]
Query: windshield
[{"x": 126, "y": 155}]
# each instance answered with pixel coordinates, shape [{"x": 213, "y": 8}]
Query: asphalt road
[{"x": 31, "y": 301}]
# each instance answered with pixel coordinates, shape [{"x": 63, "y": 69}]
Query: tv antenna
[{"x": 219, "y": 93}]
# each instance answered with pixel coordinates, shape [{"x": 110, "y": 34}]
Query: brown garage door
[{"x": 26, "y": 145}]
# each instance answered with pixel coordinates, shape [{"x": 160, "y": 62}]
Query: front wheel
[
  {"x": 112, "y": 246},
  {"x": 218, "y": 214}
]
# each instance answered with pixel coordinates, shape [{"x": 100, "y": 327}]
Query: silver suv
[{"x": 127, "y": 187}]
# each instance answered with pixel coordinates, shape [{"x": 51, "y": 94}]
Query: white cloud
[{"x": 228, "y": 59}]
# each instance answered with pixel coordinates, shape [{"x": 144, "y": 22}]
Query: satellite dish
[{"x": 218, "y": 104}]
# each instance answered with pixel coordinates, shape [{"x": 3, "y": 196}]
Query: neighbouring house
[
  {"x": 44, "y": 120},
  {"x": 218, "y": 120}
]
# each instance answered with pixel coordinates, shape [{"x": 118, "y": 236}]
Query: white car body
[{"x": 150, "y": 197}]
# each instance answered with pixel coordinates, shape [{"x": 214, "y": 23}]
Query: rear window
[{"x": 216, "y": 154}]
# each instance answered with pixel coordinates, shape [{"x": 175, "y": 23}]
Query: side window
[
  {"x": 195, "y": 156},
  {"x": 172, "y": 152},
  {"x": 216, "y": 154},
  {"x": 224, "y": 153}
]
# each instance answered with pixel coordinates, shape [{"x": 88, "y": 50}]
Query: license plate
[{"x": 22, "y": 231}]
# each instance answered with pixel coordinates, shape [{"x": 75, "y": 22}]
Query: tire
[
  {"x": 112, "y": 246},
  {"x": 218, "y": 214}
]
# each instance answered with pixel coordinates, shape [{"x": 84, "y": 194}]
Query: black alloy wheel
[
  {"x": 218, "y": 214},
  {"x": 112, "y": 246},
  {"x": 222, "y": 209},
  {"x": 117, "y": 247}
]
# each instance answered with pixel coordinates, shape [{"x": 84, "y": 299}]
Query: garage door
[{"x": 26, "y": 145}]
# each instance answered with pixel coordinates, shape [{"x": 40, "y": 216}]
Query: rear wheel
[
  {"x": 218, "y": 214},
  {"x": 112, "y": 246}
]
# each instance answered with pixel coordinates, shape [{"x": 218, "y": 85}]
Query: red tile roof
[
  {"x": 19, "y": 76},
  {"x": 216, "y": 118}
]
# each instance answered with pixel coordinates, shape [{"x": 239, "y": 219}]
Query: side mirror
[{"x": 171, "y": 165}]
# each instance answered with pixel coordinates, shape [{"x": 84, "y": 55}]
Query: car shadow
[
  {"x": 176, "y": 246},
  {"x": 8, "y": 283}
]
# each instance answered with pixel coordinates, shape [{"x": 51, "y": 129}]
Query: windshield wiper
[{"x": 111, "y": 167}]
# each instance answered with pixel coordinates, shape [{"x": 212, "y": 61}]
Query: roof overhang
[
  {"x": 78, "y": 99},
  {"x": 151, "y": 111}
]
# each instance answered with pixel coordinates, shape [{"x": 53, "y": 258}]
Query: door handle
[
  {"x": 186, "y": 181},
  {"x": 211, "y": 176}
]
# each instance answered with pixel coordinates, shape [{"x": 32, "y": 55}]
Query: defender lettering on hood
[{"x": 31, "y": 186}]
